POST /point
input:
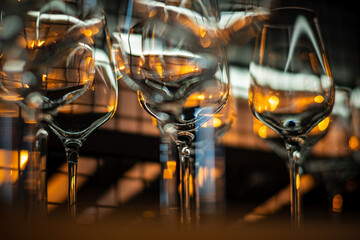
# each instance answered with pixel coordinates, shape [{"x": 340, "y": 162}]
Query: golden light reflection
[
  {"x": 159, "y": 69},
  {"x": 201, "y": 97},
  {"x": 214, "y": 122},
  {"x": 263, "y": 131},
  {"x": 354, "y": 143},
  {"x": 191, "y": 187},
  {"x": 319, "y": 99},
  {"x": 324, "y": 124},
  {"x": 171, "y": 165},
  {"x": 35, "y": 43},
  {"x": 337, "y": 203},
  {"x": 169, "y": 172},
  {"x": 87, "y": 32},
  {"x": 111, "y": 108},
  {"x": 24, "y": 157},
  {"x": 122, "y": 66},
  {"x": 12, "y": 98},
  {"x": 297, "y": 181},
  {"x": 274, "y": 102},
  {"x": 193, "y": 100}
]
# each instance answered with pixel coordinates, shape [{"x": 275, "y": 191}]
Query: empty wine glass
[
  {"x": 173, "y": 57},
  {"x": 72, "y": 57},
  {"x": 291, "y": 87}
]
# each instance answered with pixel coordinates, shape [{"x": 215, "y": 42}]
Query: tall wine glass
[
  {"x": 77, "y": 78},
  {"x": 173, "y": 58},
  {"x": 291, "y": 87}
]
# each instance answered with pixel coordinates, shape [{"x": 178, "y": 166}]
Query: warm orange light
[
  {"x": 201, "y": 97},
  {"x": 31, "y": 45},
  {"x": 297, "y": 181},
  {"x": 122, "y": 67},
  {"x": 354, "y": 143},
  {"x": 40, "y": 43},
  {"x": 215, "y": 122},
  {"x": 273, "y": 101},
  {"x": 337, "y": 203},
  {"x": 194, "y": 99},
  {"x": 202, "y": 32},
  {"x": 167, "y": 174},
  {"x": 191, "y": 187},
  {"x": 24, "y": 157},
  {"x": 170, "y": 171},
  {"x": 44, "y": 76},
  {"x": 152, "y": 13},
  {"x": 87, "y": 32},
  {"x": 111, "y": 108},
  {"x": 11, "y": 98},
  {"x": 263, "y": 131},
  {"x": 319, "y": 99},
  {"x": 159, "y": 69},
  {"x": 323, "y": 125},
  {"x": 171, "y": 165}
]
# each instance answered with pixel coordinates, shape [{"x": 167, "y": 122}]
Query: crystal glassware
[{"x": 291, "y": 88}]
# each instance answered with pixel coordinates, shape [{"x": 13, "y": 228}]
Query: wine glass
[
  {"x": 74, "y": 62},
  {"x": 291, "y": 88},
  {"x": 174, "y": 59}
]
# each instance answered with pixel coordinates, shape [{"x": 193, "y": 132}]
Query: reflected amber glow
[
  {"x": 214, "y": 122},
  {"x": 273, "y": 101},
  {"x": 191, "y": 185},
  {"x": 337, "y": 203},
  {"x": 159, "y": 69},
  {"x": 324, "y": 124},
  {"x": 297, "y": 181},
  {"x": 171, "y": 165},
  {"x": 111, "y": 108},
  {"x": 270, "y": 101},
  {"x": 24, "y": 157},
  {"x": 319, "y": 99},
  {"x": 170, "y": 68},
  {"x": 354, "y": 143},
  {"x": 169, "y": 172},
  {"x": 263, "y": 131},
  {"x": 35, "y": 43},
  {"x": 12, "y": 98},
  {"x": 205, "y": 41},
  {"x": 194, "y": 99}
]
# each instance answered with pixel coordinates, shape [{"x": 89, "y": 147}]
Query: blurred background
[{"x": 123, "y": 167}]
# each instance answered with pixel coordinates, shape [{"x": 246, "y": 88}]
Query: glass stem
[
  {"x": 41, "y": 143},
  {"x": 72, "y": 155},
  {"x": 185, "y": 175},
  {"x": 294, "y": 169}
]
